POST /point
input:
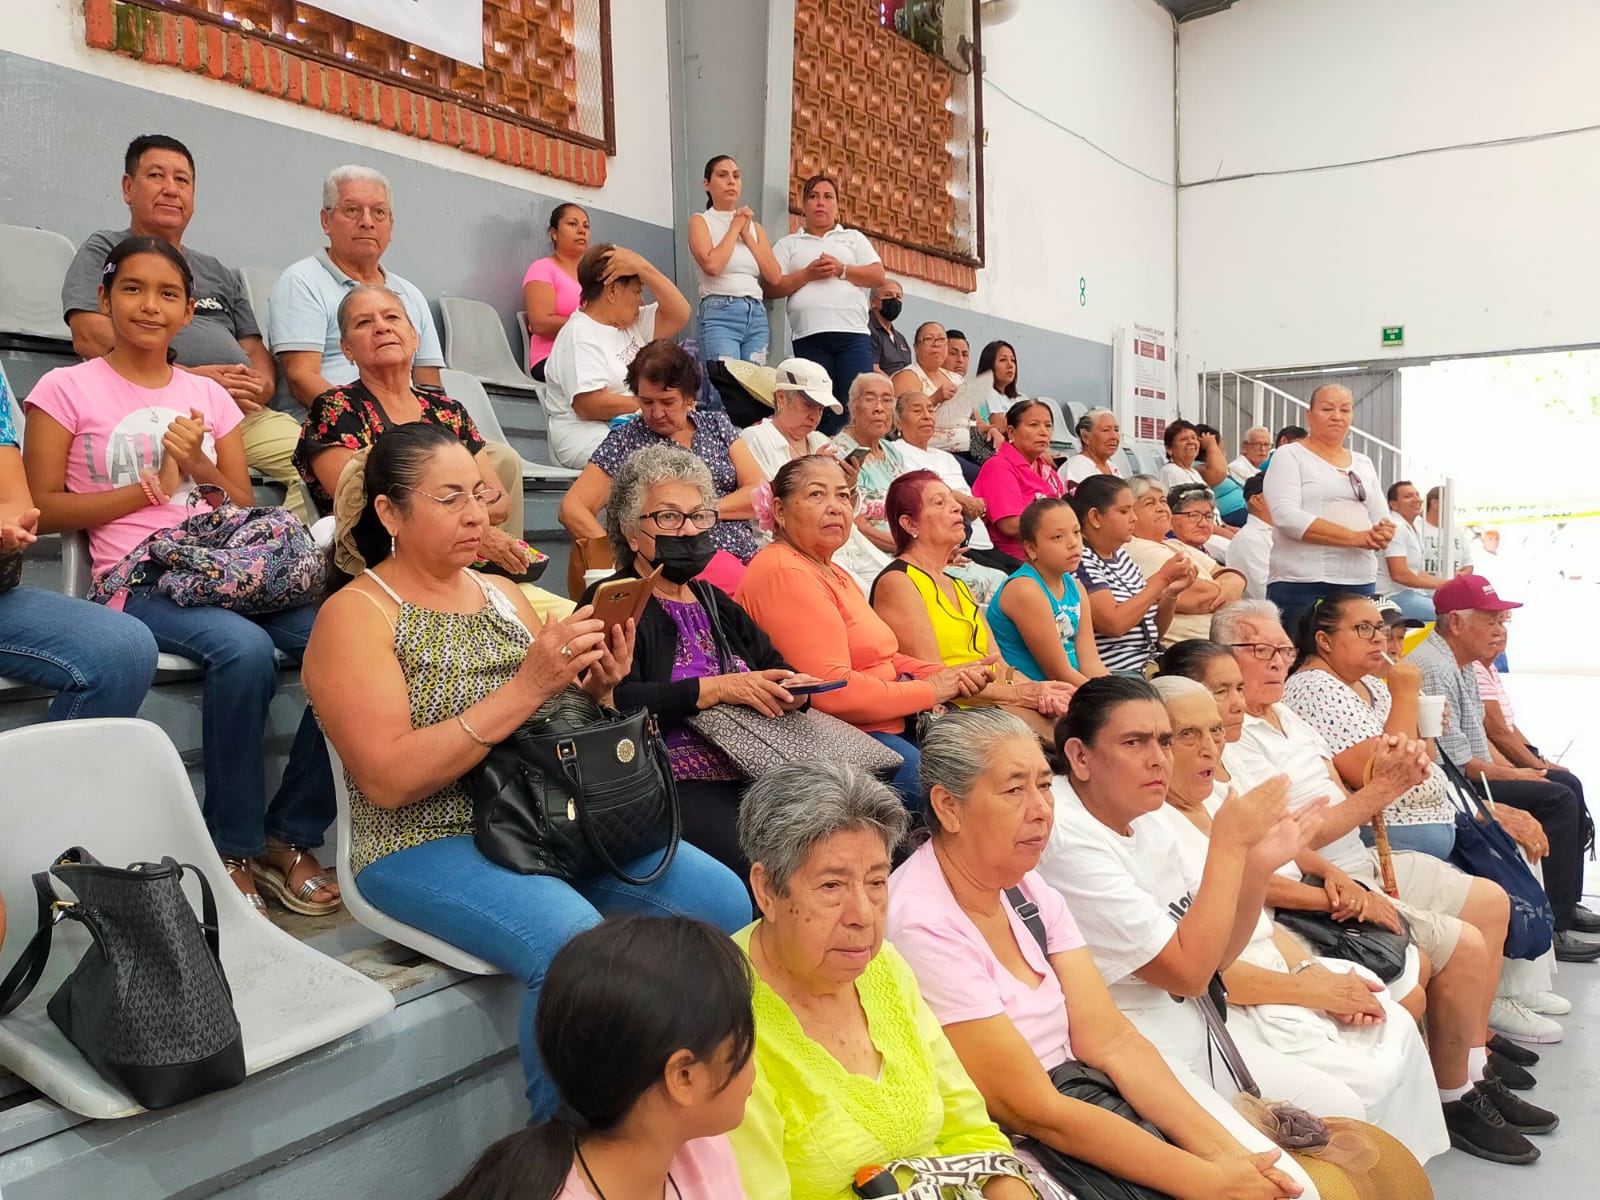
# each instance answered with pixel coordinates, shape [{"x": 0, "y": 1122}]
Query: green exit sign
[{"x": 1394, "y": 335}]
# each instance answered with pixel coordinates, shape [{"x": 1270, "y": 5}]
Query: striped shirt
[{"x": 1131, "y": 651}]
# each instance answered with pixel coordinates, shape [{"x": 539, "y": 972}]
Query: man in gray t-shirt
[{"x": 223, "y": 341}]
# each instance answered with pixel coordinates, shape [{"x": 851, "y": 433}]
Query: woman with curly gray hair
[
  {"x": 852, "y": 1069},
  {"x": 695, "y": 647}
]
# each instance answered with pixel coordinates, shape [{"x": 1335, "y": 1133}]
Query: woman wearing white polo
[{"x": 828, "y": 271}]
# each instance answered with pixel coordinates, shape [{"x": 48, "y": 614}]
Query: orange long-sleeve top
[{"x": 822, "y": 625}]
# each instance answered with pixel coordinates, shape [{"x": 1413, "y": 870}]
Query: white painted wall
[
  {"x": 1056, "y": 208},
  {"x": 1474, "y": 250},
  {"x": 52, "y": 31}
]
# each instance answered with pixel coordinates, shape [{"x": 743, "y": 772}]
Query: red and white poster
[{"x": 1150, "y": 380}]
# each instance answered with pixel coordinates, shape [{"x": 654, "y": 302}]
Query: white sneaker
[
  {"x": 1510, "y": 1016},
  {"x": 1548, "y": 1003}
]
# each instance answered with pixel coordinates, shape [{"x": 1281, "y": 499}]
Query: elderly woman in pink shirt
[{"x": 1019, "y": 473}]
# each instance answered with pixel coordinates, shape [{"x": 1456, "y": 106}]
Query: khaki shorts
[{"x": 1432, "y": 893}]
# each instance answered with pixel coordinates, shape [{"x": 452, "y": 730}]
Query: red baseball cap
[{"x": 1467, "y": 593}]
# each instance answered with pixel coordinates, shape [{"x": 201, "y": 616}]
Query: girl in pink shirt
[
  {"x": 115, "y": 447},
  {"x": 646, "y": 1029}
]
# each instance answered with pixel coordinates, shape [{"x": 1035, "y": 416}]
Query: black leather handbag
[
  {"x": 577, "y": 790},
  {"x": 148, "y": 1004},
  {"x": 1365, "y": 943}
]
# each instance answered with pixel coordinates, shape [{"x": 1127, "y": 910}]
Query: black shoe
[
  {"x": 1518, "y": 1113},
  {"x": 1500, "y": 1044},
  {"x": 1477, "y": 1128},
  {"x": 1518, "y": 1079},
  {"x": 1573, "y": 949},
  {"x": 1585, "y": 920}
]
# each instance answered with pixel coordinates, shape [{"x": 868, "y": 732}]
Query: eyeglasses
[
  {"x": 1194, "y": 735},
  {"x": 933, "y": 341},
  {"x": 670, "y": 519},
  {"x": 1366, "y": 630},
  {"x": 381, "y": 214},
  {"x": 1265, "y": 651},
  {"x": 455, "y": 502},
  {"x": 1357, "y": 486},
  {"x": 1207, "y": 514}
]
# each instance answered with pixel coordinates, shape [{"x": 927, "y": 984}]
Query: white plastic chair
[
  {"x": 522, "y": 328},
  {"x": 1061, "y": 432},
  {"x": 370, "y": 917},
  {"x": 258, "y": 285},
  {"x": 33, "y": 263},
  {"x": 118, "y": 788},
  {"x": 75, "y": 579},
  {"x": 466, "y": 389},
  {"x": 475, "y": 342}
]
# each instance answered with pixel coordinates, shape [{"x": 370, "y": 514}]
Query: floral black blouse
[{"x": 350, "y": 417}]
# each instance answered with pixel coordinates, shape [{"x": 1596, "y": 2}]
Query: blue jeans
[
  {"x": 1436, "y": 841},
  {"x": 241, "y": 677},
  {"x": 843, "y": 356},
  {"x": 907, "y": 779},
  {"x": 1295, "y": 599},
  {"x": 733, "y": 327},
  {"x": 518, "y": 922},
  {"x": 1414, "y": 602},
  {"x": 99, "y": 663}
]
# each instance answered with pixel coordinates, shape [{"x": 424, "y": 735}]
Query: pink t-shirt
[
  {"x": 1008, "y": 484},
  {"x": 959, "y": 975},
  {"x": 547, "y": 270},
  {"x": 1492, "y": 687},
  {"x": 116, "y": 429},
  {"x": 703, "y": 1170}
]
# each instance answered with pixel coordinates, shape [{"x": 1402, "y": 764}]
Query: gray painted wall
[{"x": 63, "y": 133}]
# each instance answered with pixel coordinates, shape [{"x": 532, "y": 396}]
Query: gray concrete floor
[{"x": 1553, "y": 710}]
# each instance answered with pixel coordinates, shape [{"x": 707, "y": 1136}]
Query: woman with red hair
[{"x": 934, "y": 616}]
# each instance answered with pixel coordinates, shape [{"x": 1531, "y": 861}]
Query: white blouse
[{"x": 1301, "y": 488}]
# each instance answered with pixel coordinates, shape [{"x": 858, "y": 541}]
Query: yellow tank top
[{"x": 956, "y": 626}]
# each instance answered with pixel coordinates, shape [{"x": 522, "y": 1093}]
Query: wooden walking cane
[{"x": 1380, "y": 839}]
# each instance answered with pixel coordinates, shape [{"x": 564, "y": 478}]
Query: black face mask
[
  {"x": 682, "y": 558},
  {"x": 890, "y": 308}
]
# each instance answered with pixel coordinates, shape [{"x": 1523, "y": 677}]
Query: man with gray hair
[
  {"x": 303, "y": 326},
  {"x": 1254, "y": 448}
]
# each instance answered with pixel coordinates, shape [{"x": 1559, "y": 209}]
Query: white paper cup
[{"x": 1430, "y": 716}]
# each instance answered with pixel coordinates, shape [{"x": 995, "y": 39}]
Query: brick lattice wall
[
  {"x": 869, "y": 109},
  {"x": 529, "y": 74}
]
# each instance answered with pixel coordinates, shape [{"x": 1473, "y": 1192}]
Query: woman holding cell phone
[{"x": 695, "y": 647}]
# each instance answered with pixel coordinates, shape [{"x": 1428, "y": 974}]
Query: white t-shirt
[
  {"x": 943, "y": 464},
  {"x": 1300, "y": 753},
  {"x": 1127, "y": 895},
  {"x": 1433, "y": 549},
  {"x": 771, "y": 449},
  {"x": 589, "y": 357},
  {"x": 740, "y": 276},
  {"x": 1079, "y": 467},
  {"x": 1172, "y": 475},
  {"x": 1242, "y": 468},
  {"x": 826, "y": 305},
  {"x": 1407, "y": 544},
  {"x": 1301, "y": 488},
  {"x": 1250, "y": 553}
]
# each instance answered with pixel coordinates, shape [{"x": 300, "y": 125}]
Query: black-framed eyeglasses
[
  {"x": 1209, "y": 514},
  {"x": 454, "y": 502},
  {"x": 1357, "y": 486},
  {"x": 671, "y": 520},
  {"x": 1366, "y": 630},
  {"x": 1265, "y": 651}
]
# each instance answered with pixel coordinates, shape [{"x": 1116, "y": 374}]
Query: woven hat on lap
[{"x": 759, "y": 381}]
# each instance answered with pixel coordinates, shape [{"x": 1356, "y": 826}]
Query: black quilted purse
[
  {"x": 148, "y": 1004},
  {"x": 577, "y": 790},
  {"x": 1365, "y": 943}
]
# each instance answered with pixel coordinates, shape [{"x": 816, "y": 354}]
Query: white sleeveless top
[{"x": 741, "y": 277}]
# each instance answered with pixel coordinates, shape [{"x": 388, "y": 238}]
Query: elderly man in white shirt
[
  {"x": 828, "y": 271},
  {"x": 1250, "y": 551},
  {"x": 1254, "y": 449}
]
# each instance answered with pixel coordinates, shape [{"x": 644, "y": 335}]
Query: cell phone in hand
[
  {"x": 811, "y": 689},
  {"x": 857, "y": 456},
  {"x": 616, "y": 600}
]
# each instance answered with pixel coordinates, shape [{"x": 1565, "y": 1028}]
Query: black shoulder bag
[
  {"x": 577, "y": 790},
  {"x": 1078, "y": 1082},
  {"x": 1365, "y": 943},
  {"x": 148, "y": 1004}
]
